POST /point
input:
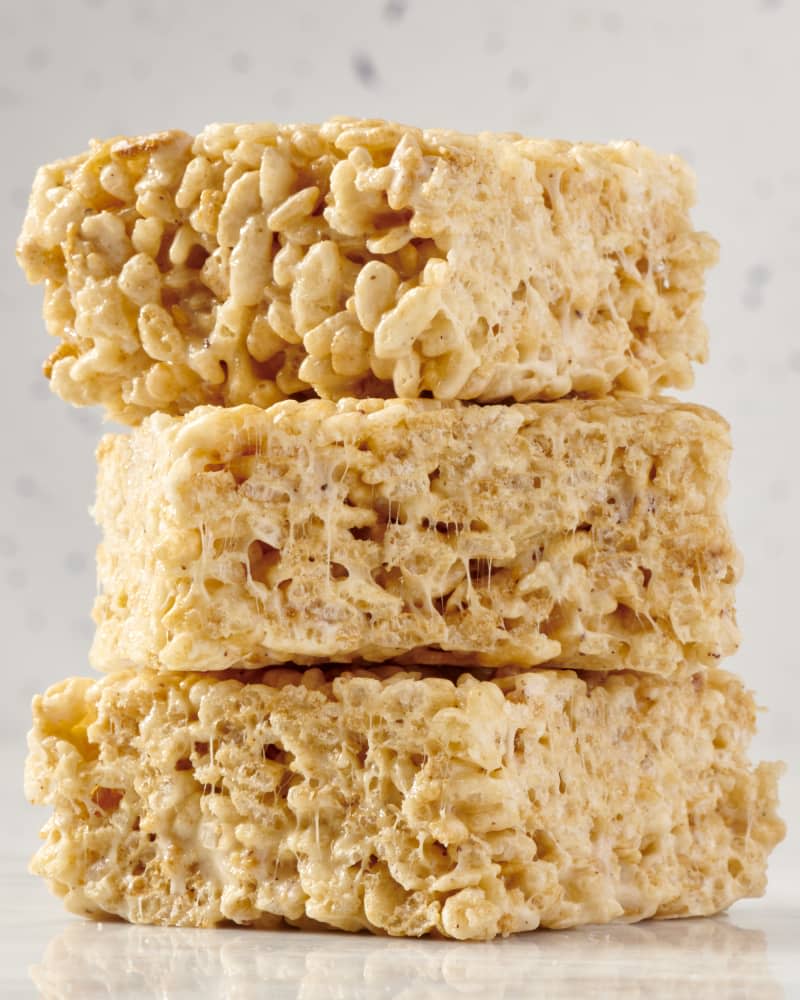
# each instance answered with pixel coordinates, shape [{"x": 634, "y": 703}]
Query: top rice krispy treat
[{"x": 363, "y": 258}]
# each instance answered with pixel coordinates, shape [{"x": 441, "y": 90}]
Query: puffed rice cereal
[
  {"x": 398, "y": 803},
  {"x": 586, "y": 532},
  {"x": 362, "y": 258}
]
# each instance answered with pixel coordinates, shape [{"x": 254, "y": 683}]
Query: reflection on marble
[{"x": 694, "y": 958}]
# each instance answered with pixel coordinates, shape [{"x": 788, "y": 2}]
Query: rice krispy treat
[
  {"x": 363, "y": 258},
  {"x": 572, "y": 532},
  {"x": 399, "y": 803}
]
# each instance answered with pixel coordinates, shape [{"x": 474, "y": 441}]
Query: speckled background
[{"x": 715, "y": 81}]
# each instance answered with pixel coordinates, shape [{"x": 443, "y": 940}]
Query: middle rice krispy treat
[
  {"x": 398, "y": 803},
  {"x": 586, "y": 533}
]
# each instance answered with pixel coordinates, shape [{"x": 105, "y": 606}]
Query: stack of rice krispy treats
[{"x": 413, "y": 587}]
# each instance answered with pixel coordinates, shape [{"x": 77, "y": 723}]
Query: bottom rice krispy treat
[{"x": 400, "y": 802}]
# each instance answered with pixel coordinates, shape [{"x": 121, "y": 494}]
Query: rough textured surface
[
  {"x": 362, "y": 258},
  {"x": 576, "y": 532},
  {"x": 400, "y": 803}
]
